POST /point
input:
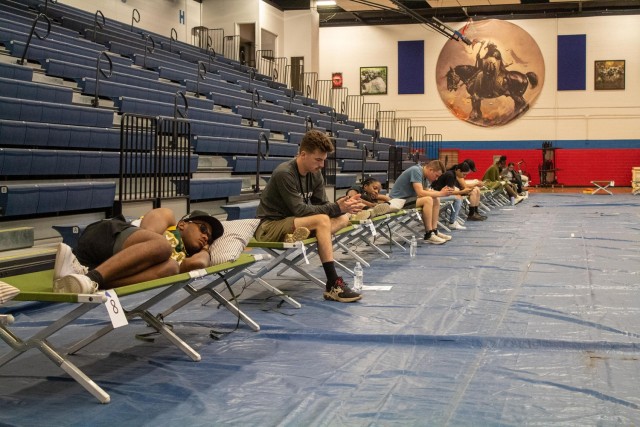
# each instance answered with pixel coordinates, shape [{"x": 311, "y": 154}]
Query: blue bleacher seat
[
  {"x": 102, "y": 194},
  {"x": 243, "y": 210},
  {"x": 36, "y": 91},
  {"x": 50, "y": 112},
  {"x": 14, "y": 71},
  {"x": 346, "y": 180},
  {"x": 257, "y": 114},
  {"x": 283, "y": 127},
  {"x": 19, "y": 199},
  {"x": 52, "y": 198},
  {"x": 42, "y": 53},
  {"x": 212, "y": 188},
  {"x": 222, "y": 145},
  {"x": 78, "y": 196},
  {"x": 247, "y": 164},
  {"x": 15, "y": 162},
  {"x": 370, "y": 166}
]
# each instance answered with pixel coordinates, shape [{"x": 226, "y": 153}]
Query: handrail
[
  {"x": 292, "y": 95},
  {"x": 134, "y": 18},
  {"x": 202, "y": 71},
  {"x": 376, "y": 137},
  {"x": 333, "y": 118},
  {"x": 176, "y": 109},
  {"x": 33, "y": 31},
  {"x": 148, "y": 49},
  {"x": 95, "y": 102},
  {"x": 252, "y": 77},
  {"x": 171, "y": 39},
  {"x": 262, "y": 136},
  {"x": 97, "y": 23},
  {"x": 254, "y": 104},
  {"x": 46, "y": 4},
  {"x": 243, "y": 57},
  {"x": 308, "y": 91},
  {"x": 209, "y": 42},
  {"x": 212, "y": 54},
  {"x": 275, "y": 75},
  {"x": 365, "y": 155},
  {"x": 308, "y": 123}
]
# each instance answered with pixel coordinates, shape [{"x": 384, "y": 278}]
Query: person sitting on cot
[
  {"x": 113, "y": 252},
  {"x": 294, "y": 204}
]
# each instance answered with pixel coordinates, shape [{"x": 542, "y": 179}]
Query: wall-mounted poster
[
  {"x": 609, "y": 75},
  {"x": 495, "y": 79},
  {"x": 373, "y": 80},
  {"x": 336, "y": 80}
]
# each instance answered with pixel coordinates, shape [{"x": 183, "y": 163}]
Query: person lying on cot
[
  {"x": 375, "y": 204},
  {"x": 294, "y": 203},
  {"x": 114, "y": 252}
]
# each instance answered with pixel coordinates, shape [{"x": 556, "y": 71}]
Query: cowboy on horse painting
[
  {"x": 488, "y": 83},
  {"x": 489, "y": 78}
]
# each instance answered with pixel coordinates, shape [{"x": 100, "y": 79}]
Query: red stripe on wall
[{"x": 577, "y": 167}]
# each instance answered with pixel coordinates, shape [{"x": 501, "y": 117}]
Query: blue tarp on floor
[{"x": 529, "y": 318}]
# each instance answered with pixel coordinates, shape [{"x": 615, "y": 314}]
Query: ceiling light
[{"x": 320, "y": 3}]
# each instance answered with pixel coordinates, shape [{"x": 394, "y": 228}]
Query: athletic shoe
[
  {"x": 456, "y": 226},
  {"x": 443, "y": 236},
  {"x": 380, "y": 209},
  {"x": 476, "y": 217},
  {"x": 362, "y": 215},
  {"x": 299, "y": 234},
  {"x": 67, "y": 263},
  {"x": 75, "y": 284},
  {"x": 519, "y": 199},
  {"x": 434, "y": 240},
  {"x": 341, "y": 292}
]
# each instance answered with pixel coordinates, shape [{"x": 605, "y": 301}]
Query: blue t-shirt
[{"x": 403, "y": 187}]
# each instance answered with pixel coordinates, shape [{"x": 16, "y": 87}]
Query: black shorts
[
  {"x": 410, "y": 202},
  {"x": 96, "y": 243}
]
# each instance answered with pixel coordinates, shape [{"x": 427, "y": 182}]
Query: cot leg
[
  {"x": 233, "y": 309},
  {"x": 353, "y": 254},
  {"x": 168, "y": 334},
  {"x": 278, "y": 293}
]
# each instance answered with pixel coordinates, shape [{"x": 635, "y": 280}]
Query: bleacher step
[{"x": 16, "y": 238}]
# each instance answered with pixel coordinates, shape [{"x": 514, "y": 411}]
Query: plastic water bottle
[
  {"x": 358, "y": 277},
  {"x": 413, "y": 247}
]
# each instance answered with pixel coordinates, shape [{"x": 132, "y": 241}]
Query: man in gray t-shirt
[
  {"x": 414, "y": 185},
  {"x": 294, "y": 203}
]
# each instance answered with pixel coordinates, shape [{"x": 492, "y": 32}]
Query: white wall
[
  {"x": 157, "y": 16},
  {"x": 302, "y": 37},
  {"x": 555, "y": 115},
  {"x": 226, "y": 14}
]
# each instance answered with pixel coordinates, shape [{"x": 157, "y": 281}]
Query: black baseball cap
[
  {"x": 216, "y": 226},
  {"x": 471, "y": 163}
]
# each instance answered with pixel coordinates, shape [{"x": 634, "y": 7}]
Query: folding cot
[
  {"x": 290, "y": 256},
  {"x": 36, "y": 287}
]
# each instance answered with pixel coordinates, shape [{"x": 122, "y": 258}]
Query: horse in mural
[{"x": 489, "y": 82}]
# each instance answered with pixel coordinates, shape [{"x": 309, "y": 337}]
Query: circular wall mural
[{"x": 495, "y": 79}]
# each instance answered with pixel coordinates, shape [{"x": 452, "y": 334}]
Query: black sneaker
[
  {"x": 341, "y": 292},
  {"x": 476, "y": 217}
]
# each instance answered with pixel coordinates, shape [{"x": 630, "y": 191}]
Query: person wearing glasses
[{"x": 113, "y": 252}]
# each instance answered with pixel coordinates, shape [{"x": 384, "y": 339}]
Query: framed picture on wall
[
  {"x": 373, "y": 80},
  {"x": 609, "y": 75}
]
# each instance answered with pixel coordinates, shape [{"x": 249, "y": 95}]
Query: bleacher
[{"x": 60, "y": 155}]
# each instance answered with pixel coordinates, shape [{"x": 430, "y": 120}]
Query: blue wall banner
[
  {"x": 411, "y": 67},
  {"x": 572, "y": 62}
]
